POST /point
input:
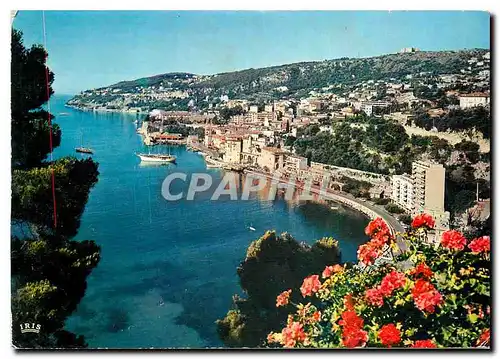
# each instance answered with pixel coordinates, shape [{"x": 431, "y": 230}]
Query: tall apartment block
[
  {"x": 423, "y": 192},
  {"x": 428, "y": 187}
]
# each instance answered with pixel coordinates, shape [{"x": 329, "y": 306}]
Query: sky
[{"x": 90, "y": 49}]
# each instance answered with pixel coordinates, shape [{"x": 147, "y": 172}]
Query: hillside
[{"x": 284, "y": 81}]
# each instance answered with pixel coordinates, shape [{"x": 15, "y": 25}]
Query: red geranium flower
[
  {"x": 374, "y": 226},
  {"x": 351, "y": 319},
  {"x": 481, "y": 244},
  {"x": 367, "y": 253},
  {"x": 392, "y": 281},
  {"x": 484, "y": 338},
  {"x": 354, "y": 337},
  {"x": 380, "y": 238},
  {"x": 282, "y": 299},
  {"x": 422, "y": 270},
  {"x": 422, "y": 220},
  {"x": 389, "y": 335},
  {"x": 453, "y": 240},
  {"x": 374, "y": 297},
  {"x": 293, "y": 334},
  {"x": 329, "y": 270},
  {"x": 426, "y": 296},
  {"x": 353, "y": 334},
  {"x": 427, "y": 343},
  {"x": 310, "y": 285}
]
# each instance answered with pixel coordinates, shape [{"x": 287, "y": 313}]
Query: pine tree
[{"x": 49, "y": 268}]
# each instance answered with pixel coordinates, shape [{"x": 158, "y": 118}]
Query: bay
[{"x": 168, "y": 268}]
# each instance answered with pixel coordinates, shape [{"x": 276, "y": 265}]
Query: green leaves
[
  {"x": 49, "y": 270},
  {"x": 32, "y": 194}
]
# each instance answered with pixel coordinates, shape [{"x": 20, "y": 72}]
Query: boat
[
  {"x": 334, "y": 207},
  {"x": 251, "y": 228},
  {"x": 153, "y": 157},
  {"x": 82, "y": 149}
]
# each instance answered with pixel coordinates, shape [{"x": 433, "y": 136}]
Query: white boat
[
  {"x": 153, "y": 157},
  {"x": 82, "y": 149},
  {"x": 251, "y": 228}
]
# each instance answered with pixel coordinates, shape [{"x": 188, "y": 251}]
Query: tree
[
  {"x": 469, "y": 149},
  {"x": 49, "y": 269},
  {"x": 30, "y": 123},
  {"x": 272, "y": 264}
]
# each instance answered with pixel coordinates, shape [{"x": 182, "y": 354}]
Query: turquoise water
[{"x": 168, "y": 269}]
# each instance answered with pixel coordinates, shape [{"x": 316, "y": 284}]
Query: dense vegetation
[
  {"x": 477, "y": 118},
  {"x": 364, "y": 143},
  {"x": 272, "y": 264},
  {"x": 174, "y": 126},
  {"x": 429, "y": 296},
  {"x": 49, "y": 268}
]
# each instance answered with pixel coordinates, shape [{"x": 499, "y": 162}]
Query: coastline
[{"x": 102, "y": 110}]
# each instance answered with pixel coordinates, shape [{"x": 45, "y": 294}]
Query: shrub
[
  {"x": 272, "y": 264},
  {"x": 405, "y": 218},
  {"x": 394, "y": 208},
  {"x": 381, "y": 201},
  {"x": 430, "y": 295}
]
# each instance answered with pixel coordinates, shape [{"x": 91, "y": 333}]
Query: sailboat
[
  {"x": 82, "y": 149},
  {"x": 156, "y": 157}
]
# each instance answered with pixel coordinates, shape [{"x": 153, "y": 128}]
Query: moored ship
[
  {"x": 84, "y": 150},
  {"x": 153, "y": 157}
]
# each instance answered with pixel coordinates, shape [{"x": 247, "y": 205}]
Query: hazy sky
[{"x": 89, "y": 49}]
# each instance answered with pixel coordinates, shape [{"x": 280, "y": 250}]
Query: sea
[{"x": 168, "y": 268}]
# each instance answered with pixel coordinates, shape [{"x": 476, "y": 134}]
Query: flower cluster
[
  {"x": 330, "y": 270},
  {"x": 393, "y": 280},
  {"x": 380, "y": 234},
  {"x": 353, "y": 334},
  {"x": 479, "y": 245},
  {"x": 422, "y": 270},
  {"x": 389, "y": 335},
  {"x": 292, "y": 334},
  {"x": 426, "y": 296},
  {"x": 453, "y": 240},
  {"x": 427, "y": 343},
  {"x": 282, "y": 299},
  {"x": 310, "y": 285},
  {"x": 444, "y": 289},
  {"x": 423, "y": 220}
]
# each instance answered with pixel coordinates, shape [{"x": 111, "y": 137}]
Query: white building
[
  {"x": 402, "y": 191},
  {"x": 423, "y": 192},
  {"x": 232, "y": 150},
  {"x": 294, "y": 163},
  {"x": 474, "y": 99},
  {"x": 268, "y": 108}
]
